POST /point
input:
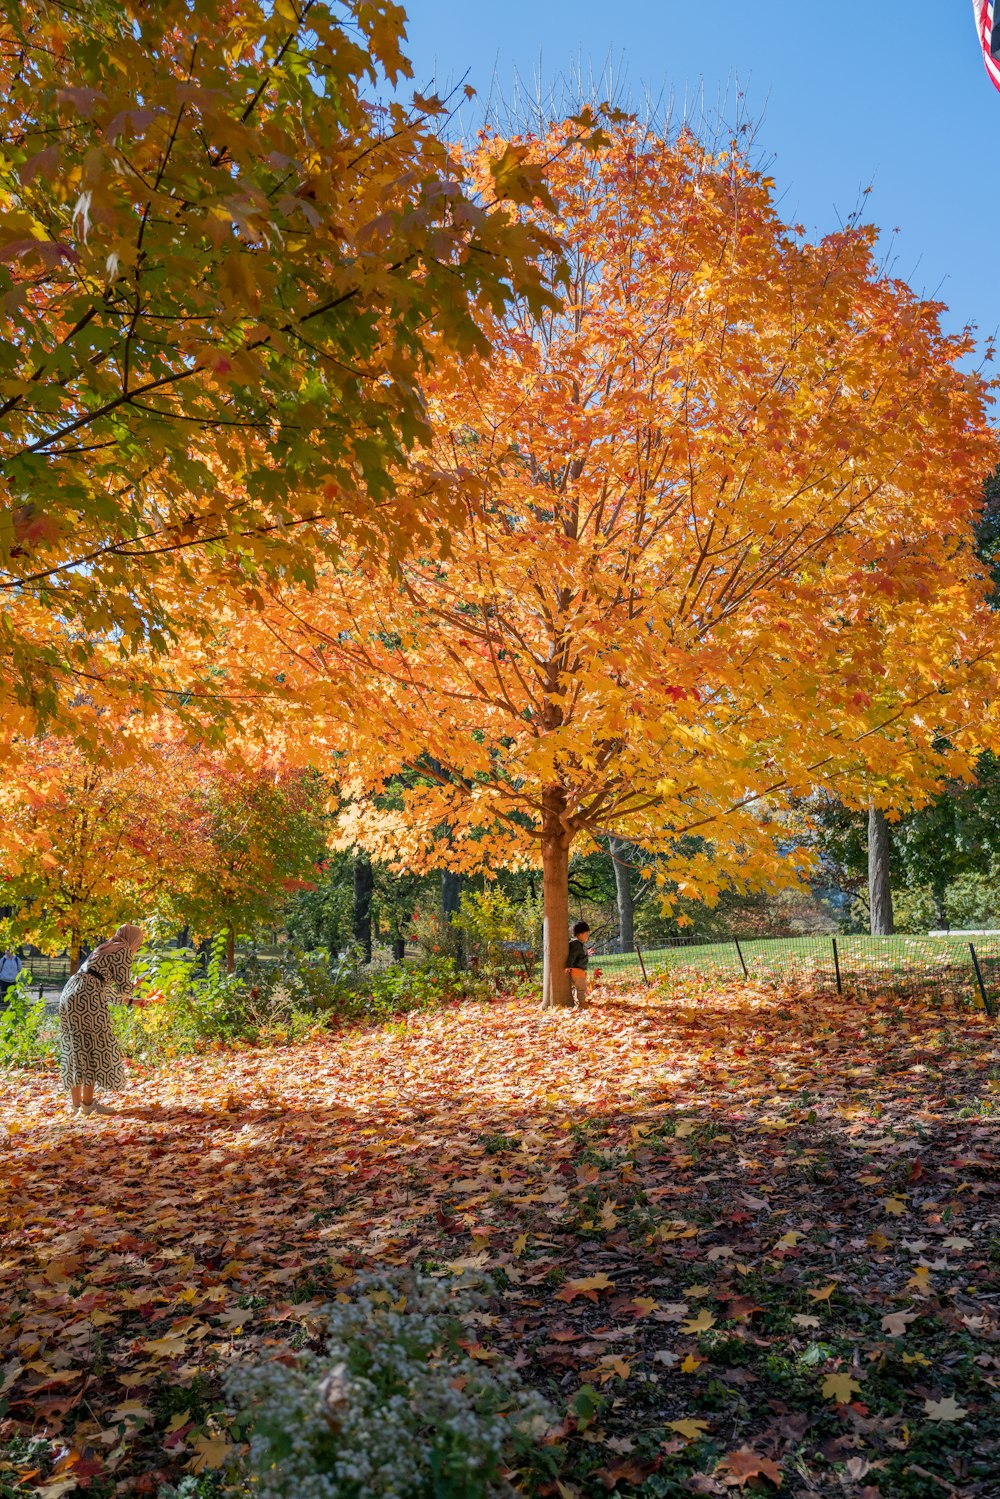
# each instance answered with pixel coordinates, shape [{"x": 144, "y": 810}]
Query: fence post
[
  {"x": 638, "y": 952},
  {"x": 989, "y": 1005},
  {"x": 743, "y": 961},
  {"x": 836, "y": 965}
]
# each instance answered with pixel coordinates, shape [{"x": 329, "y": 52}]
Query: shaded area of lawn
[{"x": 735, "y": 1236}]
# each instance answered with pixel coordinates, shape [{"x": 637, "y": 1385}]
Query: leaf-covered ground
[{"x": 742, "y": 1240}]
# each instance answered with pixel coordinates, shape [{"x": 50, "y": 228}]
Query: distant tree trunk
[
  {"x": 398, "y": 949},
  {"x": 361, "y": 924},
  {"x": 451, "y": 901},
  {"x": 451, "y": 892},
  {"x": 555, "y": 900},
  {"x": 75, "y": 945},
  {"x": 619, "y": 850},
  {"x": 939, "y": 892},
  {"x": 879, "y": 886},
  {"x": 230, "y": 948}
]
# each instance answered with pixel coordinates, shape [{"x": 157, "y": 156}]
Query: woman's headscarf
[{"x": 127, "y": 939}]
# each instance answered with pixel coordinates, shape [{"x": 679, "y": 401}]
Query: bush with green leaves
[
  {"x": 415, "y": 986},
  {"x": 395, "y": 1408},
  {"x": 497, "y": 938},
  {"x": 28, "y": 1035}
]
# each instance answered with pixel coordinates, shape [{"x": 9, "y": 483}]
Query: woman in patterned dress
[{"x": 90, "y": 1057}]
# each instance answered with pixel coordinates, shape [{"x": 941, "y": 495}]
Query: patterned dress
[{"x": 87, "y": 1046}]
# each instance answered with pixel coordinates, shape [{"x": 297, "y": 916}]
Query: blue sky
[{"x": 852, "y": 94}]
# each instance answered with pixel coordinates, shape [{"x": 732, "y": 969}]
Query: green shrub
[
  {"x": 28, "y": 1036},
  {"x": 414, "y": 986},
  {"x": 498, "y": 939},
  {"x": 394, "y": 1408}
]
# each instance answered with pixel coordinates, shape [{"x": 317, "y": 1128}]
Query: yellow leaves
[
  {"x": 168, "y": 1347},
  {"x": 824, "y": 1294},
  {"x": 841, "y": 1388},
  {"x": 789, "y": 1239},
  {"x": 895, "y": 1206},
  {"x": 208, "y": 1453},
  {"x": 690, "y": 1429},
  {"x": 608, "y": 1218},
  {"x": 701, "y": 1323},
  {"x": 610, "y": 1367},
  {"x": 691, "y": 1363}
]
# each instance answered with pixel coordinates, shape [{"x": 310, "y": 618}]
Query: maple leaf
[
  {"x": 624, "y": 1472},
  {"x": 691, "y": 1430},
  {"x": 840, "y": 1388},
  {"x": 896, "y": 1323},
  {"x": 209, "y": 1453},
  {"x": 701, "y": 1323},
  {"x": 589, "y": 1286},
  {"x": 740, "y": 1467},
  {"x": 825, "y": 1293},
  {"x": 947, "y": 1409}
]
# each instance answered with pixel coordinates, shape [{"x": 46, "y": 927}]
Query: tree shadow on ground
[{"x": 760, "y": 1180}]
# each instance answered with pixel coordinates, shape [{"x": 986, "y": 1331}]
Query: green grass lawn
[{"x": 865, "y": 962}]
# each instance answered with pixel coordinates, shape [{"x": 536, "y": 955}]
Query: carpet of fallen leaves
[{"x": 744, "y": 1240}]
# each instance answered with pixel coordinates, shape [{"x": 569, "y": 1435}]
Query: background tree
[
  {"x": 717, "y": 552},
  {"x": 85, "y": 845},
  {"x": 320, "y": 915},
  {"x": 257, "y": 833},
  {"x": 948, "y": 850},
  {"x": 224, "y": 272}
]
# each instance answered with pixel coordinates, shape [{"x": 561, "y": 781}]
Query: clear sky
[{"x": 850, "y": 94}]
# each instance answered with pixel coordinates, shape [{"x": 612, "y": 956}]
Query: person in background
[
  {"x": 10, "y": 967},
  {"x": 576, "y": 963},
  {"x": 89, "y": 1055}
]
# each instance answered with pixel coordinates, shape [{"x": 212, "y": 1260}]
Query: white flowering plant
[{"x": 395, "y": 1408}]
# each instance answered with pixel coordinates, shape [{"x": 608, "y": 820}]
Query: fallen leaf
[
  {"x": 840, "y": 1387},
  {"x": 947, "y": 1409},
  {"x": 743, "y": 1465}
]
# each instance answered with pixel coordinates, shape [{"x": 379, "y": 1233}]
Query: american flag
[{"x": 988, "y": 26}]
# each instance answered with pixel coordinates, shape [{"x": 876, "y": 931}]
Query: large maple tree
[
  {"x": 223, "y": 270},
  {"x": 717, "y": 551}
]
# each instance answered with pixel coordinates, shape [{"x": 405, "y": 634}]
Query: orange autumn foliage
[
  {"x": 716, "y": 554},
  {"x": 167, "y": 831}
]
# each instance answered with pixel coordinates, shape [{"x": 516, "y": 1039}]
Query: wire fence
[{"x": 955, "y": 966}]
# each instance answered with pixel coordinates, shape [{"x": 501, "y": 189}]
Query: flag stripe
[{"x": 987, "y": 16}]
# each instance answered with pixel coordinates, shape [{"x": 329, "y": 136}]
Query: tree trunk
[
  {"x": 74, "y": 949},
  {"x": 398, "y": 949},
  {"x": 555, "y": 900},
  {"x": 619, "y": 850},
  {"x": 361, "y": 924},
  {"x": 939, "y": 891},
  {"x": 451, "y": 901},
  {"x": 230, "y": 948},
  {"x": 879, "y": 886},
  {"x": 451, "y": 892}
]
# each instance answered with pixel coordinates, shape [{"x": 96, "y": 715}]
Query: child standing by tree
[{"x": 576, "y": 962}]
